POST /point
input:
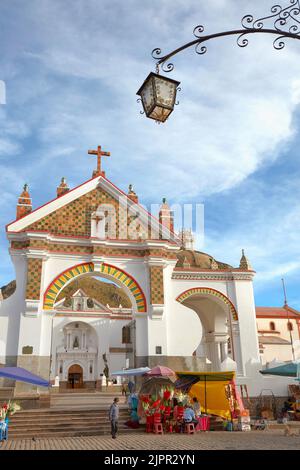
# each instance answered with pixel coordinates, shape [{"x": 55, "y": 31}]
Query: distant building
[{"x": 278, "y": 331}]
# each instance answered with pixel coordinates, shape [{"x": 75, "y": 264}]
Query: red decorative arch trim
[
  {"x": 208, "y": 291},
  {"x": 109, "y": 270}
]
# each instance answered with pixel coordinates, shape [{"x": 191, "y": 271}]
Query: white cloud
[{"x": 74, "y": 68}]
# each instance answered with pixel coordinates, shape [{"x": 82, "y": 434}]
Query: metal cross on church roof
[{"x": 99, "y": 154}]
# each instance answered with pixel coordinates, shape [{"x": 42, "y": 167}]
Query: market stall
[{"x": 215, "y": 391}]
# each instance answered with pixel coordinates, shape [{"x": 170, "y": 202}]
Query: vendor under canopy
[{"x": 210, "y": 390}]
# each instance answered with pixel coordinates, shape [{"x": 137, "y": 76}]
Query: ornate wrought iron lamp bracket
[{"x": 286, "y": 24}]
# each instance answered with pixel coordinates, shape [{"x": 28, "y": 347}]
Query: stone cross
[{"x": 99, "y": 154}]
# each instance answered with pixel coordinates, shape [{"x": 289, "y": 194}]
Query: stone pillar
[
  {"x": 216, "y": 346},
  {"x": 237, "y": 349},
  {"x": 224, "y": 350},
  {"x": 213, "y": 350}
]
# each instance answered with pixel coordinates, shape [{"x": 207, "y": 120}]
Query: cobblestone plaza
[{"x": 254, "y": 440}]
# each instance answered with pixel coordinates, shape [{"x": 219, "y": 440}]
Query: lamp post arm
[
  {"x": 242, "y": 41},
  {"x": 284, "y": 22}
]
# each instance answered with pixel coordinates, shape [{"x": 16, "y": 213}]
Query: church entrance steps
[
  {"x": 56, "y": 423},
  {"x": 83, "y": 400},
  {"x": 6, "y": 393}
]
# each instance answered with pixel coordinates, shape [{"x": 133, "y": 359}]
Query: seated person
[
  {"x": 196, "y": 407},
  {"x": 189, "y": 415},
  {"x": 287, "y": 406}
]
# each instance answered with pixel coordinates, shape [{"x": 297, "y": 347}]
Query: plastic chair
[
  {"x": 190, "y": 428},
  {"x": 157, "y": 428}
]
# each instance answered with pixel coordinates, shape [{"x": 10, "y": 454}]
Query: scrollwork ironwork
[
  {"x": 139, "y": 100},
  {"x": 200, "y": 49},
  {"x": 177, "y": 89},
  {"x": 284, "y": 22},
  {"x": 280, "y": 17},
  {"x": 198, "y": 30},
  {"x": 242, "y": 41}
]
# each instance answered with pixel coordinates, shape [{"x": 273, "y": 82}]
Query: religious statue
[
  {"x": 106, "y": 368},
  {"x": 76, "y": 342}
]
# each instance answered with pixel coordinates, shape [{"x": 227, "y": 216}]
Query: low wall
[
  {"x": 28, "y": 401},
  {"x": 254, "y": 404}
]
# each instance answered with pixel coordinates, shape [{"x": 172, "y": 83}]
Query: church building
[{"x": 169, "y": 304}]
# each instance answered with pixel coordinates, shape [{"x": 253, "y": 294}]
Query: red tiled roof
[
  {"x": 272, "y": 340},
  {"x": 277, "y": 312}
]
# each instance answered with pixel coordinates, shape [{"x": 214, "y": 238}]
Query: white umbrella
[{"x": 126, "y": 372}]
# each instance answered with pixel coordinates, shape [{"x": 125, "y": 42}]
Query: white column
[
  {"x": 213, "y": 350},
  {"x": 238, "y": 349}
]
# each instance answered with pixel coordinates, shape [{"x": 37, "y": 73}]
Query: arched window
[
  {"x": 272, "y": 326},
  {"x": 290, "y": 326}
]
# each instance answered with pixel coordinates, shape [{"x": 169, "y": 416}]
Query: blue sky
[{"x": 72, "y": 69}]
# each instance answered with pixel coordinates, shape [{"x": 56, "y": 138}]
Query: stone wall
[{"x": 254, "y": 404}]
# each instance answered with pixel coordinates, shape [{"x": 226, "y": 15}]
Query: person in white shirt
[{"x": 196, "y": 407}]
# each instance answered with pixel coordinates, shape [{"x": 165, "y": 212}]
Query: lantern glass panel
[
  {"x": 160, "y": 114},
  {"x": 147, "y": 95},
  {"x": 165, "y": 92}
]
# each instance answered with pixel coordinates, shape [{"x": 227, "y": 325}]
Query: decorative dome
[{"x": 197, "y": 259}]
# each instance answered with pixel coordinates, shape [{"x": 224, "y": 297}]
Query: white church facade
[{"x": 188, "y": 311}]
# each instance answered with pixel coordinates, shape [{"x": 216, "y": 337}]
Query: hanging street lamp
[{"x": 158, "y": 93}]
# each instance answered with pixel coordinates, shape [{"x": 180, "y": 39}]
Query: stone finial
[
  {"x": 132, "y": 194},
  {"x": 166, "y": 216},
  {"x": 245, "y": 263},
  {"x": 63, "y": 187},
  {"x": 24, "y": 205}
]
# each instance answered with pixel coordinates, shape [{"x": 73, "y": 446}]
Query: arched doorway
[
  {"x": 217, "y": 315},
  {"x": 75, "y": 376}
]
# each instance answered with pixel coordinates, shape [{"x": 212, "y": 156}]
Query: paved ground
[{"x": 264, "y": 440}]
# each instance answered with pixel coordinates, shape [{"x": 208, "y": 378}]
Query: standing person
[
  {"x": 114, "y": 417},
  {"x": 123, "y": 389},
  {"x": 131, "y": 387}
]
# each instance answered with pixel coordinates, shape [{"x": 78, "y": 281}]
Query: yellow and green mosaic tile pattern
[
  {"x": 208, "y": 291},
  {"x": 34, "y": 272},
  {"x": 56, "y": 286},
  {"x": 127, "y": 281},
  {"x": 74, "y": 219},
  {"x": 157, "y": 284}
]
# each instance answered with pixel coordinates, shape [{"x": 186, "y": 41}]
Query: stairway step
[
  {"x": 66, "y": 412},
  {"x": 72, "y": 434}
]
